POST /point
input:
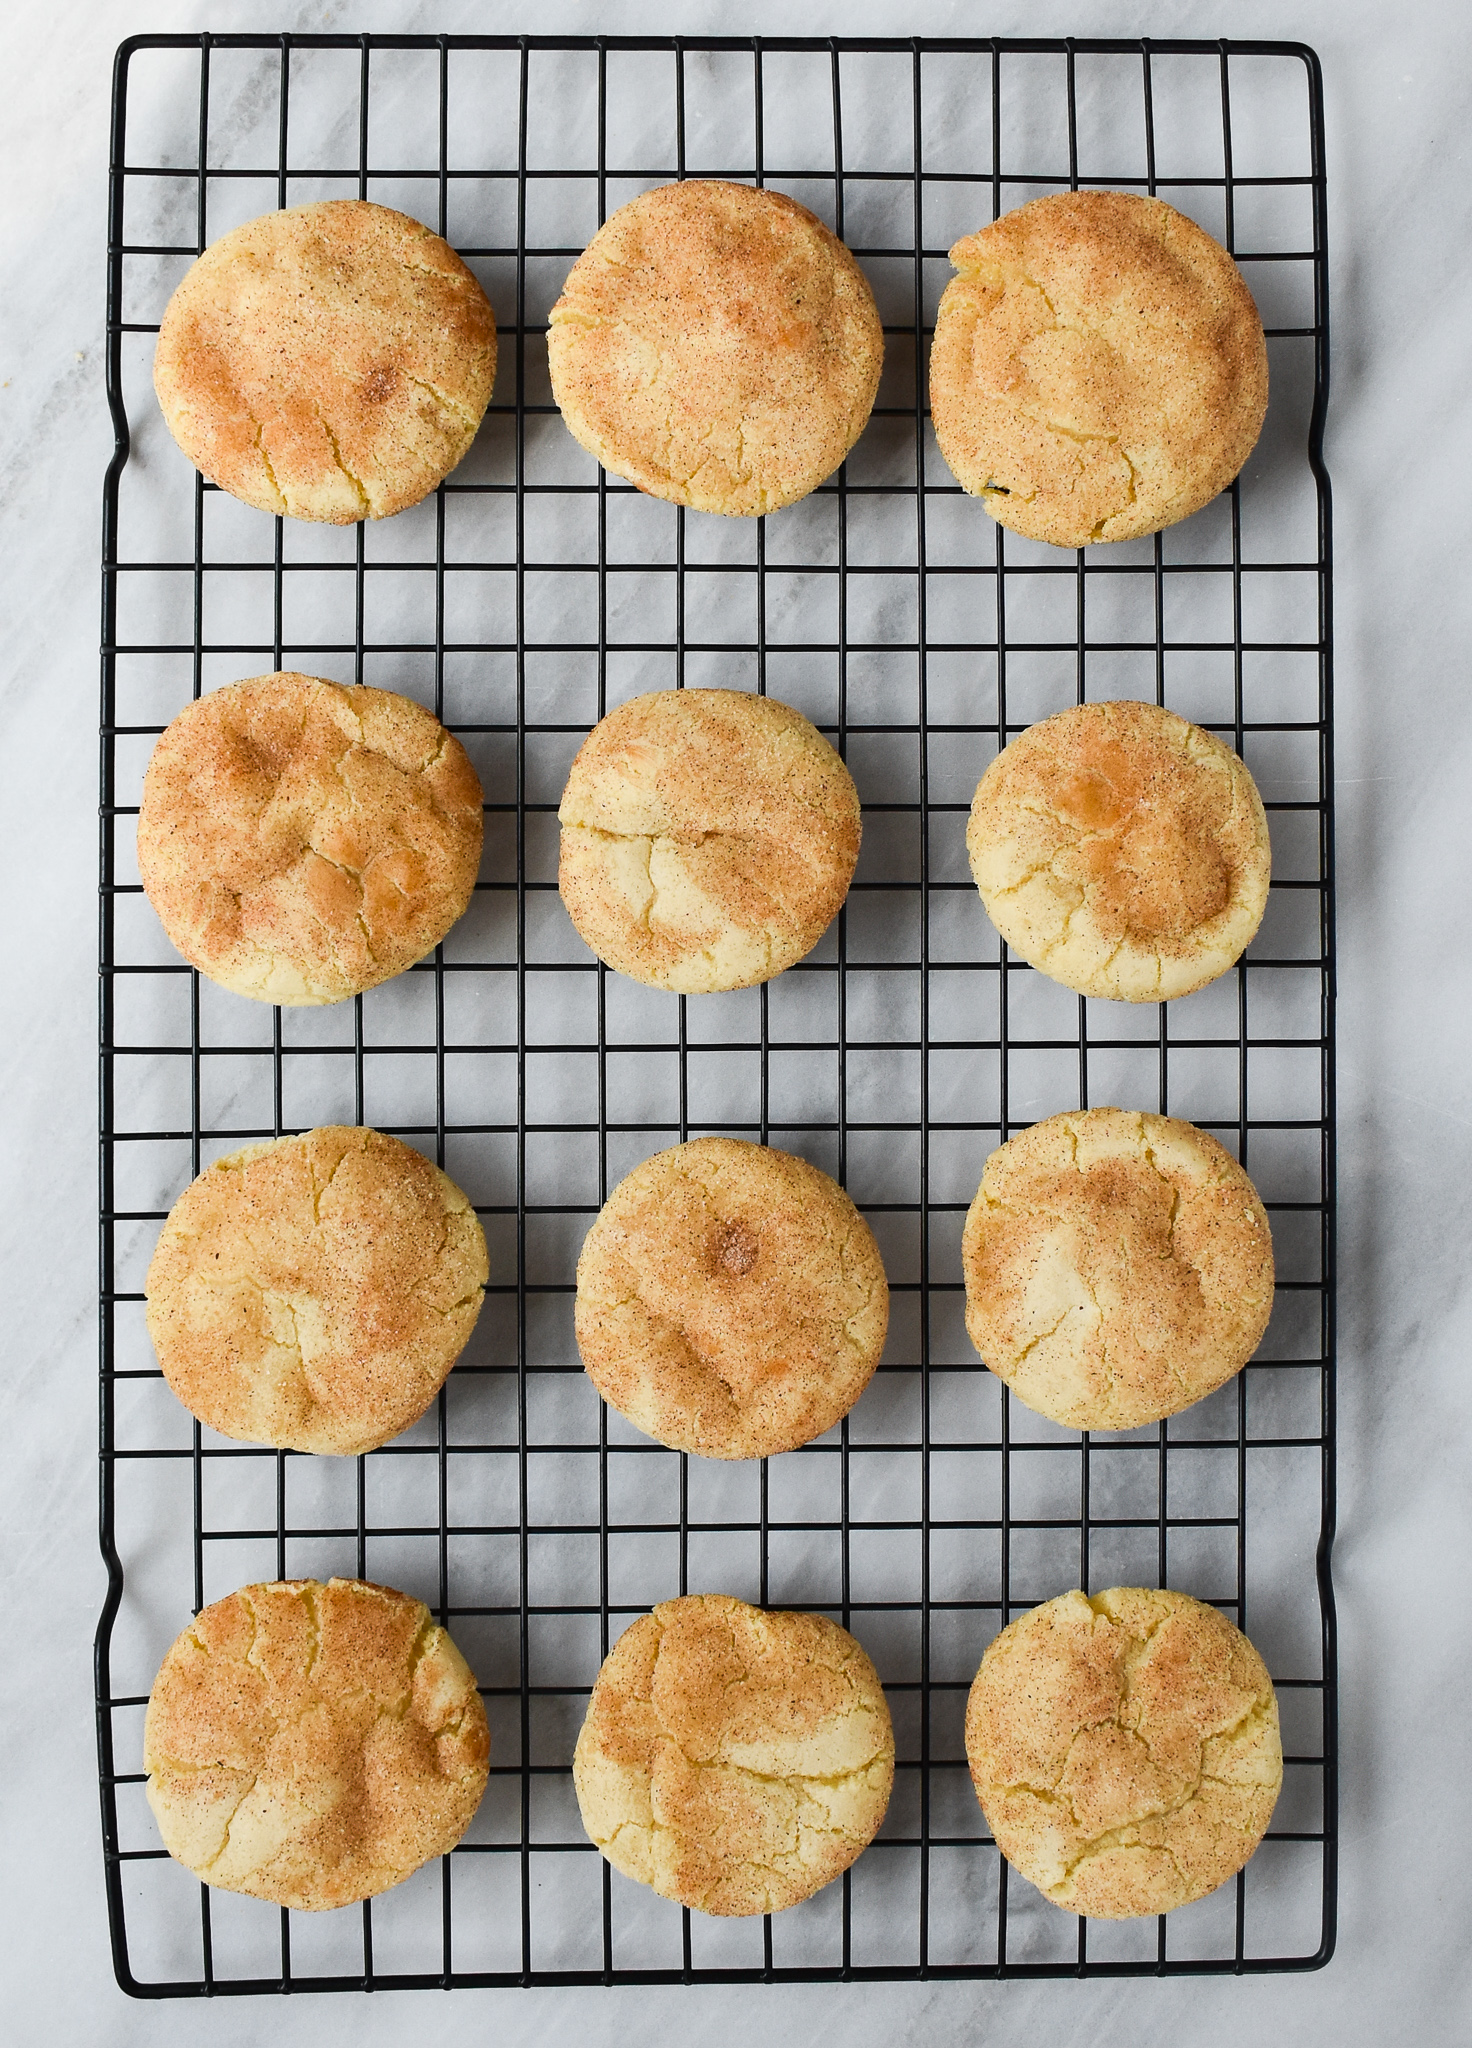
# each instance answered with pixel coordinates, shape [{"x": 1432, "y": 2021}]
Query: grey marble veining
[{"x": 1398, "y": 444}]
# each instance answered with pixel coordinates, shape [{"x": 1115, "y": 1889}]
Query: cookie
[
  {"x": 734, "y": 1761},
  {"x": 731, "y": 1300},
  {"x": 1098, "y": 370},
  {"x": 1121, "y": 850},
  {"x": 1125, "y": 1749},
  {"x": 716, "y": 345},
  {"x": 313, "y": 1744},
  {"x": 314, "y": 1292},
  {"x": 327, "y": 362},
  {"x": 708, "y": 839},
  {"x": 302, "y": 842},
  {"x": 1118, "y": 1267}
]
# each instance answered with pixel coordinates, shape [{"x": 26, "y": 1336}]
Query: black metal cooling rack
[{"x": 529, "y": 593}]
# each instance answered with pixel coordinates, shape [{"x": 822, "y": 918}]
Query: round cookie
[
  {"x": 731, "y": 1300},
  {"x": 734, "y": 1761},
  {"x": 1098, "y": 370},
  {"x": 1118, "y": 1267},
  {"x": 716, "y": 345},
  {"x": 1121, "y": 850},
  {"x": 314, "y": 1292},
  {"x": 708, "y": 839},
  {"x": 313, "y": 1744},
  {"x": 302, "y": 842},
  {"x": 1124, "y": 1749},
  {"x": 328, "y": 362}
]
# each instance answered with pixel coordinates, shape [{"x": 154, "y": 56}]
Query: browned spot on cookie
[
  {"x": 736, "y": 1248},
  {"x": 379, "y": 384}
]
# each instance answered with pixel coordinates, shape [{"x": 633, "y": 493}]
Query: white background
[{"x": 1399, "y": 443}]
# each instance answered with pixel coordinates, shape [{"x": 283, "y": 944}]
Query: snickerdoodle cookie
[
  {"x": 1118, "y": 1267},
  {"x": 731, "y": 1300},
  {"x": 314, "y": 1292},
  {"x": 1125, "y": 1749},
  {"x": 717, "y": 345},
  {"x": 733, "y": 1760},
  {"x": 708, "y": 839},
  {"x": 313, "y": 1744},
  {"x": 329, "y": 362},
  {"x": 1099, "y": 369},
  {"x": 1122, "y": 850},
  {"x": 302, "y": 841}
]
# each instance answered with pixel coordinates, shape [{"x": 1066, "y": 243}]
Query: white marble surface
[{"x": 1400, "y": 439}]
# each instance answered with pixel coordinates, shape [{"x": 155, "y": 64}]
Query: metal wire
[{"x": 939, "y": 1509}]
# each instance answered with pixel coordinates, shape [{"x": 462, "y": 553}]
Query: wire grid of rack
[{"x": 530, "y": 593}]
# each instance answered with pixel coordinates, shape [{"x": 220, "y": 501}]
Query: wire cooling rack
[{"x": 529, "y": 594}]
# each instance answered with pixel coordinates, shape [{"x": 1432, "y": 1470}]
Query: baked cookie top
[
  {"x": 716, "y": 345},
  {"x": 314, "y": 1292},
  {"x": 1099, "y": 369},
  {"x": 1118, "y": 1267},
  {"x": 302, "y": 841},
  {"x": 313, "y": 1744},
  {"x": 733, "y": 1760},
  {"x": 1122, "y": 850},
  {"x": 1125, "y": 1750},
  {"x": 708, "y": 838},
  {"x": 731, "y": 1300},
  {"x": 328, "y": 362}
]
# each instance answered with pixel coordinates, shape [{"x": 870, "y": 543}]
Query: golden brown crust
[
  {"x": 1118, "y": 1267},
  {"x": 1098, "y": 370},
  {"x": 1125, "y": 1749},
  {"x": 313, "y": 1744},
  {"x": 716, "y": 345},
  {"x": 1122, "y": 850},
  {"x": 302, "y": 842},
  {"x": 732, "y": 1760},
  {"x": 329, "y": 362},
  {"x": 731, "y": 1300},
  {"x": 314, "y": 1292},
  {"x": 708, "y": 838}
]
